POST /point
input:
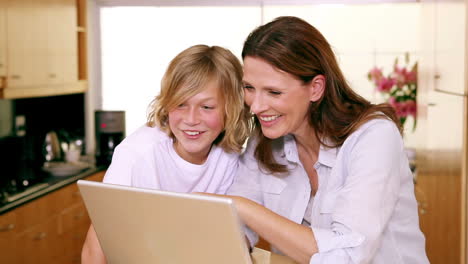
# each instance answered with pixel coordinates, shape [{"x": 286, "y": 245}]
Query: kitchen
[{"x": 432, "y": 34}]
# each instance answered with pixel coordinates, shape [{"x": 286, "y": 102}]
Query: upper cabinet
[
  {"x": 443, "y": 44},
  {"x": 2, "y": 43},
  {"x": 41, "y": 47}
]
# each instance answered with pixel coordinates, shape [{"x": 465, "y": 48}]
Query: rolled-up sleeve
[
  {"x": 333, "y": 245},
  {"x": 360, "y": 209}
]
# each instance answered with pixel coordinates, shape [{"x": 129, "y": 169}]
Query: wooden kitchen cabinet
[
  {"x": 443, "y": 44},
  {"x": 50, "y": 229},
  {"x": 2, "y": 43},
  {"x": 450, "y": 36},
  {"x": 7, "y": 236},
  {"x": 42, "y": 47},
  {"x": 34, "y": 245},
  {"x": 75, "y": 225},
  {"x": 442, "y": 122},
  {"x": 62, "y": 41}
]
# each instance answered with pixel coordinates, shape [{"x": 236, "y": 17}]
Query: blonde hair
[{"x": 188, "y": 74}]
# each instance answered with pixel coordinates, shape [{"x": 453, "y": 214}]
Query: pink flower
[
  {"x": 401, "y": 109},
  {"x": 392, "y": 101},
  {"x": 375, "y": 74},
  {"x": 411, "y": 108},
  {"x": 399, "y": 87},
  {"x": 399, "y": 74},
  {"x": 411, "y": 77},
  {"x": 385, "y": 84}
]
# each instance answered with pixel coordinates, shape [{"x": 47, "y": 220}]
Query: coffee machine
[{"x": 110, "y": 131}]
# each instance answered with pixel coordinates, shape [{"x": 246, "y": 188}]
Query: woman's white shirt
[
  {"x": 364, "y": 210},
  {"x": 147, "y": 159}
]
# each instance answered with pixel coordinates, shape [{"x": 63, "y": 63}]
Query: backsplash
[
  {"x": 22, "y": 150},
  {"x": 43, "y": 114}
]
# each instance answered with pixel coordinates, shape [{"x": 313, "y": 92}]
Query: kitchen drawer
[
  {"x": 8, "y": 223},
  {"x": 70, "y": 258},
  {"x": 74, "y": 227},
  {"x": 70, "y": 196},
  {"x": 52, "y": 204},
  {"x": 75, "y": 218},
  {"x": 72, "y": 241},
  {"x": 7, "y": 237},
  {"x": 37, "y": 211},
  {"x": 40, "y": 244}
]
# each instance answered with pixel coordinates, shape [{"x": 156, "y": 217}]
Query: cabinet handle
[
  {"x": 52, "y": 75},
  {"x": 448, "y": 92},
  {"x": 79, "y": 216},
  {"x": 437, "y": 76},
  {"x": 40, "y": 236},
  {"x": 7, "y": 228},
  {"x": 16, "y": 77}
]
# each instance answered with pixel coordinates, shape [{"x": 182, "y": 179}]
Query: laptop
[{"x": 137, "y": 225}]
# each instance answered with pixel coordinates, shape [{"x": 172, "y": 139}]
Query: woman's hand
[{"x": 295, "y": 240}]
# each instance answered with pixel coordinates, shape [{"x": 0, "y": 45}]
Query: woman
[{"x": 325, "y": 178}]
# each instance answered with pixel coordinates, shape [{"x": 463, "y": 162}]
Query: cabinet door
[
  {"x": 2, "y": 40},
  {"x": 449, "y": 46},
  {"x": 62, "y": 46},
  {"x": 26, "y": 43},
  {"x": 42, "y": 42},
  {"x": 75, "y": 223},
  {"x": 41, "y": 243},
  {"x": 7, "y": 237},
  {"x": 439, "y": 180}
]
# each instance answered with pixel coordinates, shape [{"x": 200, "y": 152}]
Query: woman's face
[
  {"x": 197, "y": 122},
  {"x": 278, "y": 99}
]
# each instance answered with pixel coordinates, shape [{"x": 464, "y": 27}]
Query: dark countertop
[{"x": 50, "y": 184}]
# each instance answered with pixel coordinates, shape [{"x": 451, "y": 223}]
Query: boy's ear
[{"x": 316, "y": 87}]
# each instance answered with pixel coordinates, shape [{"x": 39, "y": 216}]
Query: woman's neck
[
  {"x": 307, "y": 140},
  {"x": 308, "y": 147}
]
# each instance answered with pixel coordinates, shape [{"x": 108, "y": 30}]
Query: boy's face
[{"x": 197, "y": 122}]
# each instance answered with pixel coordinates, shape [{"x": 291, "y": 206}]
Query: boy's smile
[{"x": 197, "y": 122}]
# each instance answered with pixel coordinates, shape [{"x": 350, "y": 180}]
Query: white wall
[{"x": 363, "y": 36}]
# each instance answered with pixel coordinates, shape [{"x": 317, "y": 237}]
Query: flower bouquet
[{"x": 399, "y": 88}]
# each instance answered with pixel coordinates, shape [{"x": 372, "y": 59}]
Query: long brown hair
[{"x": 296, "y": 47}]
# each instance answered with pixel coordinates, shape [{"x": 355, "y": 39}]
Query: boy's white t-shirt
[{"x": 147, "y": 159}]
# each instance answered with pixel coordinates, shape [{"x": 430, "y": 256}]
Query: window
[{"x": 137, "y": 44}]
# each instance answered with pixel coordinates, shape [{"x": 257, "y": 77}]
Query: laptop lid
[{"x": 137, "y": 225}]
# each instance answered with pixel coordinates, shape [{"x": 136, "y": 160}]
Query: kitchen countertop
[{"x": 50, "y": 184}]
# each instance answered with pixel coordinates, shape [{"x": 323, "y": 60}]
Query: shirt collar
[{"x": 327, "y": 156}]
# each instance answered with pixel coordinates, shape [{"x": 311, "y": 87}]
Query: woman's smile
[{"x": 278, "y": 99}]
